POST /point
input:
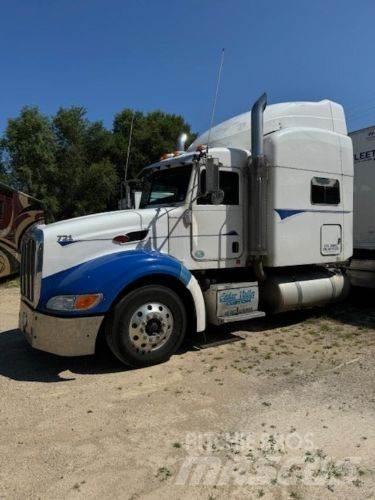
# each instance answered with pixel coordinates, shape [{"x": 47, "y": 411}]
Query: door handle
[
  {"x": 187, "y": 217},
  {"x": 235, "y": 247}
]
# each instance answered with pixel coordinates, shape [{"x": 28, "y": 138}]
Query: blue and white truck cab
[{"x": 258, "y": 221}]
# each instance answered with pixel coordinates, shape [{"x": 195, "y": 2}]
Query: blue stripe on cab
[{"x": 284, "y": 213}]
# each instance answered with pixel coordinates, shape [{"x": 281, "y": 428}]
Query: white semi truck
[
  {"x": 255, "y": 222},
  {"x": 362, "y": 266}
]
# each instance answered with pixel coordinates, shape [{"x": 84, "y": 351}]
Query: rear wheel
[{"x": 147, "y": 326}]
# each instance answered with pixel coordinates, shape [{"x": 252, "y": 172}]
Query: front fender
[{"x": 110, "y": 274}]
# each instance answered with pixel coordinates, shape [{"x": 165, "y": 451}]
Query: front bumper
[{"x": 62, "y": 336}]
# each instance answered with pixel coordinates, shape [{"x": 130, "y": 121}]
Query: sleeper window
[
  {"x": 325, "y": 191},
  {"x": 229, "y": 183}
]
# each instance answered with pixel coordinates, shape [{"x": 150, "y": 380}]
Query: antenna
[
  {"x": 215, "y": 98},
  {"x": 129, "y": 146},
  {"x": 124, "y": 186}
]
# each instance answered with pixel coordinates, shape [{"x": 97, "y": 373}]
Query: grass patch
[
  {"x": 163, "y": 473},
  {"x": 10, "y": 283}
]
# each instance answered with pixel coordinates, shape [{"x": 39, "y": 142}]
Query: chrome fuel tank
[{"x": 280, "y": 293}]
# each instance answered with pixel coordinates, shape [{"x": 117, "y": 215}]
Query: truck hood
[{"x": 71, "y": 242}]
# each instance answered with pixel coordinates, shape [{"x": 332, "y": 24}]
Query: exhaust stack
[
  {"x": 257, "y": 243},
  {"x": 257, "y": 112}
]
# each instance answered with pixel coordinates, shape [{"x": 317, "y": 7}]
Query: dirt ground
[{"x": 273, "y": 408}]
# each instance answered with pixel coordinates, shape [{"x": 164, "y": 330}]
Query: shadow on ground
[
  {"x": 18, "y": 361},
  {"x": 358, "y": 310}
]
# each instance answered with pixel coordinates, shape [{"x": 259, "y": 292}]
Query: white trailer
[
  {"x": 258, "y": 221},
  {"x": 362, "y": 266}
]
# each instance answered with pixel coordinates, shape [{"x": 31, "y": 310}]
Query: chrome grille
[{"x": 28, "y": 268}]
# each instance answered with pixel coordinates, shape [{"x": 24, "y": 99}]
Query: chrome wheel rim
[{"x": 150, "y": 327}]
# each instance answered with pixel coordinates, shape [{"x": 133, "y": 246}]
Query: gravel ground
[{"x": 278, "y": 408}]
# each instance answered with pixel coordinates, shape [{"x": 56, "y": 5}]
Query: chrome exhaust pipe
[
  {"x": 257, "y": 243},
  {"x": 257, "y": 112}
]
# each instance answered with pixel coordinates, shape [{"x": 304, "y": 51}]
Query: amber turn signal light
[{"x": 87, "y": 301}]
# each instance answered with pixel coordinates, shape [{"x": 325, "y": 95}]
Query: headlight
[{"x": 74, "y": 302}]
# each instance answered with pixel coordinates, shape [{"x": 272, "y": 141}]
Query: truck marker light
[
  {"x": 165, "y": 156},
  {"x": 74, "y": 302}
]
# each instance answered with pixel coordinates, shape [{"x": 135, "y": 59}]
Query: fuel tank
[{"x": 280, "y": 293}]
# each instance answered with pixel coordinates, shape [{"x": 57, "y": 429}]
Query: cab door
[{"x": 217, "y": 230}]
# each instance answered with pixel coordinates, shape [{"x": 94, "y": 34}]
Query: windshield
[{"x": 166, "y": 187}]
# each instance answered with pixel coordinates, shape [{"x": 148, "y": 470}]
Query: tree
[
  {"x": 100, "y": 187},
  {"x": 4, "y": 176},
  {"x": 83, "y": 148},
  {"x": 69, "y": 128},
  {"x": 29, "y": 145},
  {"x": 75, "y": 165},
  {"x": 154, "y": 133}
]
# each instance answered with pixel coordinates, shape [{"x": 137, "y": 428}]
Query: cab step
[{"x": 240, "y": 317}]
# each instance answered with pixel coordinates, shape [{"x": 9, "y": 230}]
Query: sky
[{"x": 106, "y": 55}]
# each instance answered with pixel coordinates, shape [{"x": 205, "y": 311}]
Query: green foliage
[
  {"x": 4, "y": 177},
  {"x": 75, "y": 166},
  {"x": 154, "y": 133},
  {"x": 100, "y": 186},
  {"x": 29, "y": 145},
  {"x": 82, "y": 149}
]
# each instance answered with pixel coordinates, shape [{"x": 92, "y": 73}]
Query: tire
[{"x": 147, "y": 326}]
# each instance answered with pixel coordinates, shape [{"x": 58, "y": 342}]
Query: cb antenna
[
  {"x": 129, "y": 146},
  {"x": 124, "y": 186},
  {"x": 215, "y": 98}
]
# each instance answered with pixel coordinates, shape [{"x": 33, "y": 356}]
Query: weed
[
  {"x": 295, "y": 495},
  {"x": 163, "y": 473},
  {"x": 309, "y": 457}
]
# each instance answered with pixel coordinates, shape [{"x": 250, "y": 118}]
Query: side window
[
  {"x": 229, "y": 183},
  {"x": 325, "y": 191}
]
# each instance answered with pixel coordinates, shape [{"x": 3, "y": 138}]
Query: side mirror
[
  {"x": 211, "y": 187},
  {"x": 137, "y": 195},
  {"x": 127, "y": 197},
  {"x": 212, "y": 175}
]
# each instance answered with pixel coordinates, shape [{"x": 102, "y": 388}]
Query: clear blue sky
[{"x": 148, "y": 54}]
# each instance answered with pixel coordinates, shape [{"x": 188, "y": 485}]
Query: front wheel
[{"x": 147, "y": 326}]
